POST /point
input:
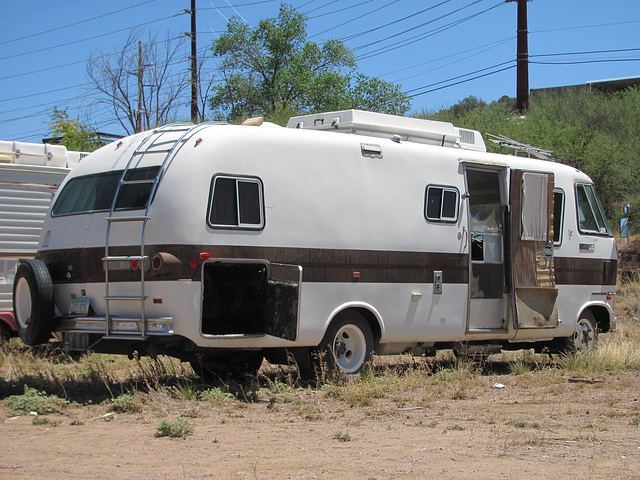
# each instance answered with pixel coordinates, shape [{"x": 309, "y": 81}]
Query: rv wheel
[
  {"x": 348, "y": 344},
  {"x": 33, "y": 302},
  {"x": 585, "y": 336}
]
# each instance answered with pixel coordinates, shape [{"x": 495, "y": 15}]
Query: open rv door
[{"x": 532, "y": 267}]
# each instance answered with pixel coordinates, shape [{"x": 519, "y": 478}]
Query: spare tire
[{"x": 33, "y": 305}]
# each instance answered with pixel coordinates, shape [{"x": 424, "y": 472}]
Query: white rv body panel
[
  {"x": 29, "y": 176},
  {"x": 349, "y": 211}
]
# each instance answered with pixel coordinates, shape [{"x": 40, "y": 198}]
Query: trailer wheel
[
  {"x": 33, "y": 302},
  {"x": 585, "y": 336},
  {"x": 235, "y": 365},
  {"x": 348, "y": 344}
]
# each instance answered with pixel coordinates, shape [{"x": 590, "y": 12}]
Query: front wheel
[
  {"x": 348, "y": 344},
  {"x": 585, "y": 336}
]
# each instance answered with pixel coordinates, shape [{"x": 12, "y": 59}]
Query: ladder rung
[
  {"x": 128, "y": 219},
  {"x": 125, "y": 297},
  {"x": 138, "y": 182},
  {"x": 123, "y": 337},
  {"x": 125, "y": 258},
  {"x": 144, "y": 152}
]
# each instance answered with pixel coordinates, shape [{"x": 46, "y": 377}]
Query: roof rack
[{"x": 530, "y": 150}]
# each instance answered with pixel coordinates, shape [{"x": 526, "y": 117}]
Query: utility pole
[
  {"x": 195, "y": 117},
  {"x": 140, "y": 89},
  {"x": 522, "y": 58}
]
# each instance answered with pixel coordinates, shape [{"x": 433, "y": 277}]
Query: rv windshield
[
  {"x": 591, "y": 218},
  {"x": 93, "y": 193}
]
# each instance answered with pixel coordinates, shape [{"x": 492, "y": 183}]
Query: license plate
[{"x": 79, "y": 306}]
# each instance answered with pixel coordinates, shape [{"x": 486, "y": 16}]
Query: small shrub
[
  {"x": 217, "y": 396},
  {"x": 126, "y": 403},
  {"x": 341, "y": 436},
  {"x": 178, "y": 429},
  {"x": 456, "y": 428},
  {"x": 45, "y": 421},
  {"x": 185, "y": 392},
  {"x": 517, "y": 423},
  {"x": 34, "y": 401}
]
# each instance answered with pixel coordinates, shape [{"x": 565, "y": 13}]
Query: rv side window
[
  {"x": 591, "y": 218},
  {"x": 441, "y": 204},
  {"x": 558, "y": 216},
  {"x": 92, "y": 193},
  {"x": 236, "y": 203}
]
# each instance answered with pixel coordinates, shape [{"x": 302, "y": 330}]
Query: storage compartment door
[{"x": 282, "y": 305}]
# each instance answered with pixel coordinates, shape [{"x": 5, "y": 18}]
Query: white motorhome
[
  {"x": 29, "y": 176},
  {"x": 350, "y": 232}
]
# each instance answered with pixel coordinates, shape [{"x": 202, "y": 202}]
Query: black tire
[
  {"x": 33, "y": 305},
  {"x": 585, "y": 336},
  {"x": 235, "y": 365},
  {"x": 347, "y": 345}
]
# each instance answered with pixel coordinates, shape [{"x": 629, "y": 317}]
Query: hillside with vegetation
[{"x": 598, "y": 133}]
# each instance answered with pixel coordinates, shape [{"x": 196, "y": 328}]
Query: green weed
[
  {"x": 33, "y": 400},
  {"x": 178, "y": 429},
  {"x": 126, "y": 403}
]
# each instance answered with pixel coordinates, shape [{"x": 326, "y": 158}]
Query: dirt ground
[{"x": 561, "y": 428}]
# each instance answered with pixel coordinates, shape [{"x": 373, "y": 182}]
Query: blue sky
[{"x": 440, "y": 51}]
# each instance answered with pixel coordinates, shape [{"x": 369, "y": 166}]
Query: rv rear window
[
  {"x": 91, "y": 193},
  {"x": 236, "y": 202},
  {"x": 441, "y": 204},
  {"x": 591, "y": 217}
]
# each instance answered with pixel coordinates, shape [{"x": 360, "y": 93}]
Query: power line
[
  {"x": 87, "y": 38},
  {"x": 460, "y": 76},
  {"x": 460, "y": 82},
  {"x": 482, "y": 48},
  {"x": 592, "y": 52},
  {"x": 62, "y": 27},
  {"x": 581, "y": 62},
  {"x": 339, "y": 10},
  {"x": 584, "y": 26},
  {"x": 423, "y": 36},
  {"x": 370, "y": 12},
  {"x": 356, "y": 35}
]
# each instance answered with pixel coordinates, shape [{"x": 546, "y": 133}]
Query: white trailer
[
  {"x": 349, "y": 232},
  {"x": 29, "y": 176}
]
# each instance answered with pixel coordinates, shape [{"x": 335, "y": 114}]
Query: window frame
[
  {"x": 116, "y": 176},
  {"x": 440, "y": 219},
  {"x": 598, "y": 209},
  {"x": 239, "y": 225},
  {"x": 562, "y": 215}
]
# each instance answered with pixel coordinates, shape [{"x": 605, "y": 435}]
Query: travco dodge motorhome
[{"x": 348, "y": 233}]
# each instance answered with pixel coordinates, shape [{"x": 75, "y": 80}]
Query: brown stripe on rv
[
  {"x": 585, "y": 271},
  {"x": 319, "y": 265}
]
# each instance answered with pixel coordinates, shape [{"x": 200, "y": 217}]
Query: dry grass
[{"x": 406, "y": 381}]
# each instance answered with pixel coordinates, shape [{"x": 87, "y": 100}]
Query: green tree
[
  {"x": 71, "y": 133},
  {"x": 273, "y": 69}
]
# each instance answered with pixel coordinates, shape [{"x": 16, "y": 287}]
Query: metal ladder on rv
[{"x": 152, "y": 144}]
